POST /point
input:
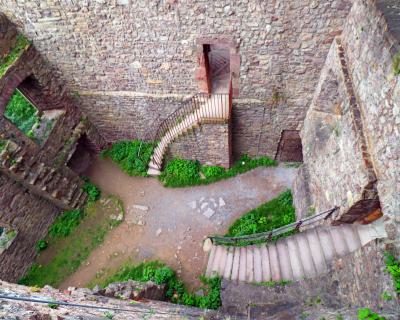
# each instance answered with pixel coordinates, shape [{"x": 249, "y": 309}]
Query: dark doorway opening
[
  {"x": 82, "y": 156},
  {"x": 290, "y": 148},
  {"x": 218, "y": 63}
]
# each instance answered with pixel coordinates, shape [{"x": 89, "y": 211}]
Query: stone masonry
[
  {"x": 35, "y": 183},
  {"x": 351, "y": 133},
  {"x": 130, "y": 63}
]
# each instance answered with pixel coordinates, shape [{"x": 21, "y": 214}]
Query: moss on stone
[{"x": 20, "y": 45}]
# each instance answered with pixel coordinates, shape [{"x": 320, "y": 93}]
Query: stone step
[
  {"x": 295, "y": 260},
  {"x": 258, "y": 271},
  {"x": 215, "y": 268},
  {"x": 153, "y": 172},
  {"x": 316, "y": 250},
  {"x": 274, "y": 263},
  {"x": 242, "y": 265},
  {"x": 284, "y": 260},
  {"x": 235, "y": 265},
  {"x": 326, "y": 241},
  {"x": 249, "y": 264},
  {"x": 210, "y": 261},
  {"x": 222, "y": 262},
  {"x": 351, "y": 237},
  {"x": 266, "y": 268},
  {"x": 229, "y": 263},
  {"x": 306, "y": 256},
  {"x": 339, "y": 242}
]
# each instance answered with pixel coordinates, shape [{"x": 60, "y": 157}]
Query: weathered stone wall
[
  {"x": 355, "y": 281},
  {"x": 209, "y": 144},
  {"x": 35, "y": 183},
  {"x": 371, "y": 41},
  {"x": 351, "y": 132},
  {"x": 151, "y": 47},
  {"x": 119, "y": 309},
  {"x": 30, "y": 216},
  {"x": 8, "y": 35}
]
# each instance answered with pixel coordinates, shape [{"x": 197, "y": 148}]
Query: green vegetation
[
  {"x": 275, "y": 213},
  {"x": 367, "y": 314},
  {"x": 72, "y": 237},
  {"x": 183, "y": 173},
  {"x": 20, "y": 45},
  {"x": 92, "y": 191},
  {"x": 273, "y": 283},
  {"x": 22, "y": 114},
  {"x": 132, "y": 157},
  {"x": 393, "y": 267},
  {"x": 176, "y": 292},
  {"x": 396, "y": 64},
  {"x": 3, "y": 144},
  {"x": 41, "y": 245}
]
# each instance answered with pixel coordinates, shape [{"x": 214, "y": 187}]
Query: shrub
[
  {"x": 92, "y": 191},
  {"x": 367, "y": 314},
  {"x": 21, "y": 113},
  {"x": 5, "y": 62},
  {"x": 176, "y": 292},
  {"x": 182, "y": 173},
  {"x": 41, "y": 245},
  {"x": 65, "y": 223},
  {"x": 393, "y": 267},
  {"x": 3, "y": 144},
  {"x": 132, "y": 157},
  {"x": 275, "y": 213}
]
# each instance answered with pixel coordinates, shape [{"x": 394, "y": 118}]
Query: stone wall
[
  {"x": 209, "y": 144},
  {"x": 350, "y": 134},
  {"x": 136, "y": 47},
  {"x": 355, "y": 281},
  {"x": 371, "y": 41},
  {"x": 34, "y": 184},
  {"x": 92, "y": 306}
]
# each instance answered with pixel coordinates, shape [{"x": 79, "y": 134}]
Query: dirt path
[{"x": 177, "y": 220}]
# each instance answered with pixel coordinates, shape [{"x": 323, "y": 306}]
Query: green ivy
[
  {"x": 182, "y": 173},
  {"x": 20, "y": 45},
  {"x": 21, "y": 113},
  {"x": 176, "y": 292},
  {"x": 273, "y": 214},
  {"x": 41, "y": 245},
  {"x": 132, "y": 157}
]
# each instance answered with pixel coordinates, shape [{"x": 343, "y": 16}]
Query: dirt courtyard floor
[{"x": 170, "y": 225}]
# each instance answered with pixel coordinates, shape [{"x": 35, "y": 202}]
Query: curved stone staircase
[
  {"x": 202, "y": 109},
  {"x": 303, "y": 255}
]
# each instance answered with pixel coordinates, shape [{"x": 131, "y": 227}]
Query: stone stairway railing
[
  {"x": 60, "y": 188},
  {"x": 303, "y": 255},
  {"x": 199, "y": 109}
]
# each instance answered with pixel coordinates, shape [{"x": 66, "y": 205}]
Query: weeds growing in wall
[
  {"x": 132, "y": 157},
  {"x": 393, "y": 267},
  {"x": 183, "y": 173},
  {"x": 176, "y": 292},
  {"x": 396, "y": 64},
  {"x": 20, "y": 45},
  {"x": 273, "y": 214}
]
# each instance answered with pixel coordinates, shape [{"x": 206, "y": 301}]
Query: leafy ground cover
[
  {"x": 393, "y": 267},
  {"x": 183, "y": 173},
  {"x": 22, "y": 113},
  {"x": 132, "y": 157},
  {"x": 273, "y": 214},
  {"x": 6, "y": 61},
  {"x": 72, "y": 237},
  {"x": 161, "y": 274}
]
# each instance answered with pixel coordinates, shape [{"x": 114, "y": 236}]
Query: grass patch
[
  {"x": 161, "y": 274},
  {"x": 393, "y": 267},
  {"x": 367, "y": 314},
  {"x": 70, "y": 240},
  {"x": 20, "y": 45},
  {"x": 132, "y": 157},
  {"x": 184, "y": 173},
  {"x": 92, "y": 191},
  {"x": 273, "y": 214},
  {"x": 22, "y": 113},
  {"x": 273, "y": 283}
]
